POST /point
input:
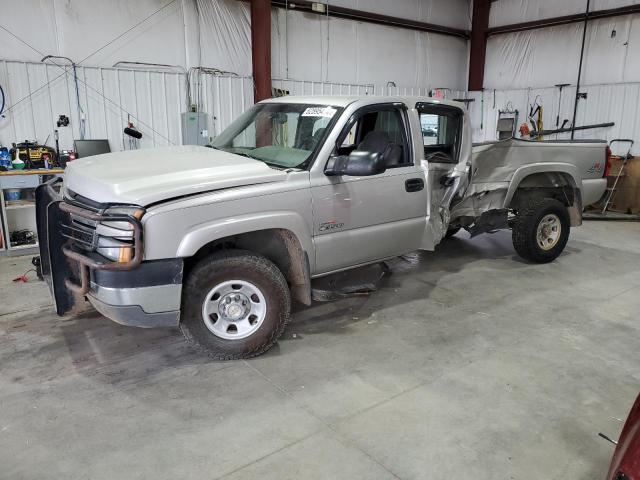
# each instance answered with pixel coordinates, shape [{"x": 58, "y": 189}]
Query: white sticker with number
[{"x": 319, "y": 112}]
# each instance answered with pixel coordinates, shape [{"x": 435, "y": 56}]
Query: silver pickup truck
[{"x": 220, "y": 240}]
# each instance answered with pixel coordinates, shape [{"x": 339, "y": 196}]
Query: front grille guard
[{"x": 84, "y": 261}]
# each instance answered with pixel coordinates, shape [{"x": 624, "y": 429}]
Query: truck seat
[{"x": 377, "y": 141}]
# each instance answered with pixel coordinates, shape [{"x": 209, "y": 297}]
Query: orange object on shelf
[{"x": 524, "y": 130}]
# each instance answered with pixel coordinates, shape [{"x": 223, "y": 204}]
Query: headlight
[{"x": 115, "y": 238}]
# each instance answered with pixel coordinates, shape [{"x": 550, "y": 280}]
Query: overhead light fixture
[{"x": 319, "y": 7}]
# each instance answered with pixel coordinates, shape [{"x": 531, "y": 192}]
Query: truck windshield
[{"x": 280, "y": 134}]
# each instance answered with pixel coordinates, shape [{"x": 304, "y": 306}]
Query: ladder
[{"x": 625, "y": 159}]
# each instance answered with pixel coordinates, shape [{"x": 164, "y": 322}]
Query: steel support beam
[
  {"x": 368, "y": 17},
  {"x": 564, "y": 20},
  {"x": 261, "y": 48},
  {"x": 478, "y": 49}
]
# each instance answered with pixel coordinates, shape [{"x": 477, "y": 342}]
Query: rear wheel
[
  {"x": 540, "y": 230},
  {"x": 236, "y": 304}
]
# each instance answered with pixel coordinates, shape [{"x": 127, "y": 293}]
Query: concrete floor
[{"x": 468, "y": 363}]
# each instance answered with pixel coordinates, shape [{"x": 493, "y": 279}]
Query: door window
[
  {"x": 441, "y": 132},
  {"x": 381, "y": 129}
]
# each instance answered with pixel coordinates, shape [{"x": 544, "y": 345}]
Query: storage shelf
[
  {"x": 20, "y": 247},
  {"x": 19, "y": 213},
  {"x": 16, "y": 206}
]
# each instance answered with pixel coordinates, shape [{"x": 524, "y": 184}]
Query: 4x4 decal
[{"x": 331, "y": 225}]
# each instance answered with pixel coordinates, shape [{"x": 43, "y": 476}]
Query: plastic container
[
  {"x": 18, "y": 164},
  {"x": 12, "y": 194},
  {"x": 5, "y": 158}
]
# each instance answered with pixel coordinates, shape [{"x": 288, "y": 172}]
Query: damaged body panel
[
  {"x": 506, "y": 171},
  {"x": 219, "y": 240}
]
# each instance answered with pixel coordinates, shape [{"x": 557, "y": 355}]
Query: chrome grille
[{"x": 81, "y": 232}]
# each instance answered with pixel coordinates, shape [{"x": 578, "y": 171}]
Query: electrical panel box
[{"x": 195, "y": 128}]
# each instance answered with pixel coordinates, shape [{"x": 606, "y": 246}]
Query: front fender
[{"x": 204, "y": 233}]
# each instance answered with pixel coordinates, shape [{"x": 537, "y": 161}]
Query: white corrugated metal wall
[
  {"x": 305, "y": 87},
  {"x": 151, "y": 100},
  {"x": 108, "y": 99},
  {"x": 619, "y": 103}
]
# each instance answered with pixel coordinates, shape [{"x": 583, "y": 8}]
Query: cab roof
[{"x": 345, "y": 100}]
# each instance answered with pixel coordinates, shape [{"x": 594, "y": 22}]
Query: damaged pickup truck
[{"x": 220, "y": 240}]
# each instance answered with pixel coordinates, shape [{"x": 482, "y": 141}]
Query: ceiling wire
[
  {"x": 66, "y": 72},
  {"x": 127, "y": 31},
  {"x": 15, "y": 104},
  {"x": 81, "y": 61}
]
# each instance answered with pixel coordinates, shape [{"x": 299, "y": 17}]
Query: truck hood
[{"x": 143, "y": 177}]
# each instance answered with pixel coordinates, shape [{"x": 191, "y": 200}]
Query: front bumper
[
  {"x": 148, "y": 296},
  {"x": 137, "y": 293}
]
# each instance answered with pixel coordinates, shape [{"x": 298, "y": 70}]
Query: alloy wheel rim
[{"x": 234, "y": 309}]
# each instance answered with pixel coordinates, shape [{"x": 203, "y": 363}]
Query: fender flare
[
  {"x": 288, "y": 226},
  {"x": 521, "y": 173},
  {"x": 200, "y": 235}
]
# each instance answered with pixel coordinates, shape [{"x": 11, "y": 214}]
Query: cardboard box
[{"x": 626, "y": 197}]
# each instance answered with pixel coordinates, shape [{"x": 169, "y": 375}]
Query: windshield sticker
[{"x": 319, "y": 112}]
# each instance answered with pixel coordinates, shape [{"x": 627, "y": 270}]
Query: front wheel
[
  {"x": 541, "y": 230},
  {"x": 235, "y": 305}
]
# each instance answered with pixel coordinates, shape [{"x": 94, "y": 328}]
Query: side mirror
[{"x": 357, "y": 164}]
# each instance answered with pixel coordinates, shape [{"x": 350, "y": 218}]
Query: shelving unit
[{"x": 20, "y": 214}]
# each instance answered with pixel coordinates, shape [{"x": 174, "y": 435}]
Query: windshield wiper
[{"x": 243, "y": 154}]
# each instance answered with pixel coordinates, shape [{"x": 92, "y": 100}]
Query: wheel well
[
  {"x": 557, "y": 185},
  {"x": 279, "y": 245}
]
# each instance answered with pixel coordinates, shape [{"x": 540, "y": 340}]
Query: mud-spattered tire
[
  {"x": 211, "y": 274},
  {"x": 530, "y": 217}
]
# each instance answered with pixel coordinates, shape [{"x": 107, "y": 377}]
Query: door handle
[{"x": 414, "y": 185}]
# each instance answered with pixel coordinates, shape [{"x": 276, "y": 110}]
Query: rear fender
[{"x": 545, "y": 175}]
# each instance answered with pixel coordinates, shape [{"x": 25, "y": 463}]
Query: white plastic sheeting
[
  {"x": 507, "y": 12},
  {"x": 618, "y": 103},
  {"x": 224, "y": 31},
  {"x": 78, "y": 29},
  {"x": 217, "y": 33},
  {"x": 451, "y": 13},
  {"x": 213, "y": 33},
  {"x": 549, "y": 56},
  {"x": 328, "y": 49}
]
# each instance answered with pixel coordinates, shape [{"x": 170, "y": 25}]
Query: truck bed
[{"x": 496, "y": 165}]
